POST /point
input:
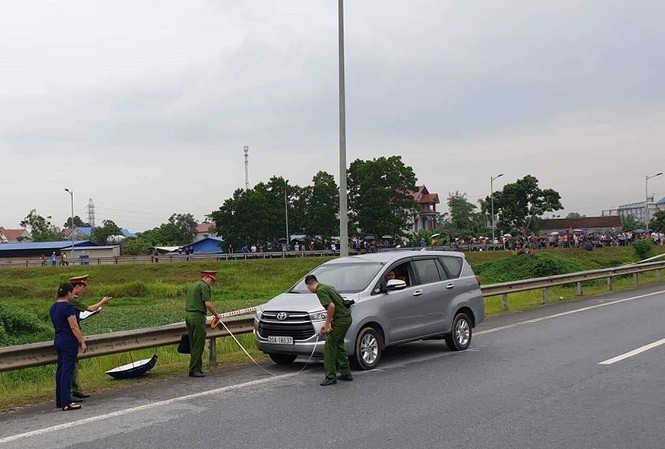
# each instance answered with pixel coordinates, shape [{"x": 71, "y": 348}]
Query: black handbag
[{"x": 184, "y": 346}]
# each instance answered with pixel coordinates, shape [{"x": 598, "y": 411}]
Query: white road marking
[
  {"x": 570, "y": 312},
  {"x": 284, "y": 376},
  {"x": 640, "y": 350},
  {"x": 91, "y": 419}
]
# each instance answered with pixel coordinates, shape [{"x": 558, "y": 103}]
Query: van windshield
[{"x": 345, "y": 277}]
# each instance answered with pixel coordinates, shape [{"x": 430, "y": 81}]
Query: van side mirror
[{"x": 395, "y": 284}]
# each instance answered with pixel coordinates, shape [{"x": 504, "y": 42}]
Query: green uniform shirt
[
  {"x": 79, "y": 305},
  {"x": 197, "y": 295},
  {"x": 327, "y": 295}
]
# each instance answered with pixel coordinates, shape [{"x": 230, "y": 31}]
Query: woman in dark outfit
[{"x": 68, "y": 337}]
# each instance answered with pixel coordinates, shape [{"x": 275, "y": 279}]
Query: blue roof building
[
  {"x": 208, "y": 245},
  {"x": 36, "y": 249}
]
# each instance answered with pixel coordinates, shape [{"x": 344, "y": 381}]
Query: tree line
[{"x": 380, "y": 200}]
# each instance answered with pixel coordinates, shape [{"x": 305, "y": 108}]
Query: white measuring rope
[{"x": 318, "y": 338}]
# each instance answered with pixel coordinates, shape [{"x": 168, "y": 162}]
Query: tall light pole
[
  {"x": 71, "y": 225},
  {"x": 492, "y": 178},
  {"x": 646, "y": 199},
  {"x": 286, "y": 216},
  {"x": 343, "y": 209}
]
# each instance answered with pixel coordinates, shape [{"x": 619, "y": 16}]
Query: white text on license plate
[{"x": 281, "y": 340}]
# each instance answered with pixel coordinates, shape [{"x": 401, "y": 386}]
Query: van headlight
[
  {"x": 318, "y": 316},
  {"x": 259, "y": 311}
]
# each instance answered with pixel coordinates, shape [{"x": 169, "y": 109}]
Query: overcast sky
[{"x": 145, "y": 106}]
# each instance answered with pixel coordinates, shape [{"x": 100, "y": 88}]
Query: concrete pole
[{"x": 343, "y": 208}]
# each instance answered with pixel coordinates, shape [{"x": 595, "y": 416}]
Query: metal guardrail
[{"x": 238, "y": 322}]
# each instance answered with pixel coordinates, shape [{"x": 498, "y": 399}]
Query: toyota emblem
[{"x": 281, "y": 316}]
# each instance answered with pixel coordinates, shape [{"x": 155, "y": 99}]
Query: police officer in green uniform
[
  {"x": 198, "y": 301},
  {"x": 80, "y": 283},
  {"x": 338, "y": 321}
]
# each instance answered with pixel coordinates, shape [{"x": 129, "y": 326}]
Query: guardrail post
[
  {"x": 504, "y": 301},
  {"x": 212, "y": 347},
  {"x": 657, "y": 275},
  {"x": 636, "y": 279},
  {"x": 580, "y": 289},
  {"x": 610, "y": 283},
  {"x": 546, "y": 295}
]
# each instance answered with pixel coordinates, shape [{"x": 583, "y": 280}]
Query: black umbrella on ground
[{"x": 134, "y": 369}]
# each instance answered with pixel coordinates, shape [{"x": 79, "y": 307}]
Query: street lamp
[
  {"x": 646, "y": 200},
  {"x": 71, "y": 225},
  {"x": 492, "y": 178},
  {"x": 286, "y": 216},
  {"x": 343, "y": 209}
]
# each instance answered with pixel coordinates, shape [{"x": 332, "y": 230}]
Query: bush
[
  {"x": 524, "y": 266},
  {"x": 18, "y": 327},
  {"x": 643, "y": 248}
]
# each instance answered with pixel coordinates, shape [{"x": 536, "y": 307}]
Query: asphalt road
[{"x": 529, "y": 380}]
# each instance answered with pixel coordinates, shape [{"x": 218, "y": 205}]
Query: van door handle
[
  {"x": 450, "y": 285},
  {"x": 418, "y": 292}
]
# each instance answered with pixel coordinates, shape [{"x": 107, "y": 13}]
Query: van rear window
[{"x": 453, "y": 265}]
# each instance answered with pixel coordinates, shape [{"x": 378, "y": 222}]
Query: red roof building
[
  {"x": 14, "y": 235},
  {"x": 427, "y": 217}
]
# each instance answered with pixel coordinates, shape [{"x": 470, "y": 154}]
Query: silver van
[{"x": 398, "y": 296}]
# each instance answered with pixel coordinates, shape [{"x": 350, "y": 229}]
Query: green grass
[{"x": 147, "y": 295}]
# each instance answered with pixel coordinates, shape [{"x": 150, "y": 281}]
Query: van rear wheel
[
  {"x": 282, "y": 359},
  {"x": 460, "y": 336},
  {"x": 368, "y": 349}
]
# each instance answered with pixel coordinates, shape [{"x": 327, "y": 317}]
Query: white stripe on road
[
  {"x": 640, "y": 350},
  {"x": 91, "y": 419},
  {"x": 570, "y": 312},
  {"x": 284, "y": 376}
]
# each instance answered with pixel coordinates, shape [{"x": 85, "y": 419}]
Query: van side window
[
  {"x": 453, "y": 265},
  {"x": 427, "y": 270}
]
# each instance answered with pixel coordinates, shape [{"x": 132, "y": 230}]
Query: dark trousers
[
  {"x": 334, "y": 353},
  {"x": 67, "y": 352},
  {"x": 196, "y": 328}
]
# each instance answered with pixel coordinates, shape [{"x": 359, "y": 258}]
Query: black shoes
[
  {"x": 327, "y": 382},
  {"x": 196, "y": 374},
  {"x": 346, "y": 377},
  {"x": 80, "y": 395}
]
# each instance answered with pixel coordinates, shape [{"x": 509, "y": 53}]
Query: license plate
[{"x": 281, "y": 340}]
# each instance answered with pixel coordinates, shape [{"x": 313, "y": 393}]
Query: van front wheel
[
  {"x": 367, "y": 349},
  {"x": 460, "y": 336}
]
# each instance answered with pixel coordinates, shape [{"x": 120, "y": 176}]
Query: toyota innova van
[{"x": 399, "y": 297}]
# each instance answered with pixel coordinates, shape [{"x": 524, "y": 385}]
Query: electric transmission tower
[{"x": 91, "y": 213}]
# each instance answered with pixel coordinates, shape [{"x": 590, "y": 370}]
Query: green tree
[
  {"x": 135, "y": 246},
  {"x": 574, "y": 215},
  {"x": 100, "y": 234},
  {"x": 182, "y": 229},
  {"x": 463, "y": 220},
  {"x": 320, "y": 201},
  {"x": 77, "y": 223},
  {"x": 41, "y": 228},
  {"x": 657, "y": 222},
  {"x": 630, "y": 223},
  {"x": 520, "y": 205},
  {"x": 381, "y": 196}
]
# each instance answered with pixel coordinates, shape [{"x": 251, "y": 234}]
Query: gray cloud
[{"x": 530, "y": 87}]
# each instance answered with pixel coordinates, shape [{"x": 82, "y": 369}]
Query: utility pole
[
  {"x": 343, "y": 208},
  {"x": 492, "y": 178},
  {"x": 71, "y": 228}
]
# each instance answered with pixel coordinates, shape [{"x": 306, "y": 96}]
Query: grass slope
[{"x": 148, "y": 295}]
